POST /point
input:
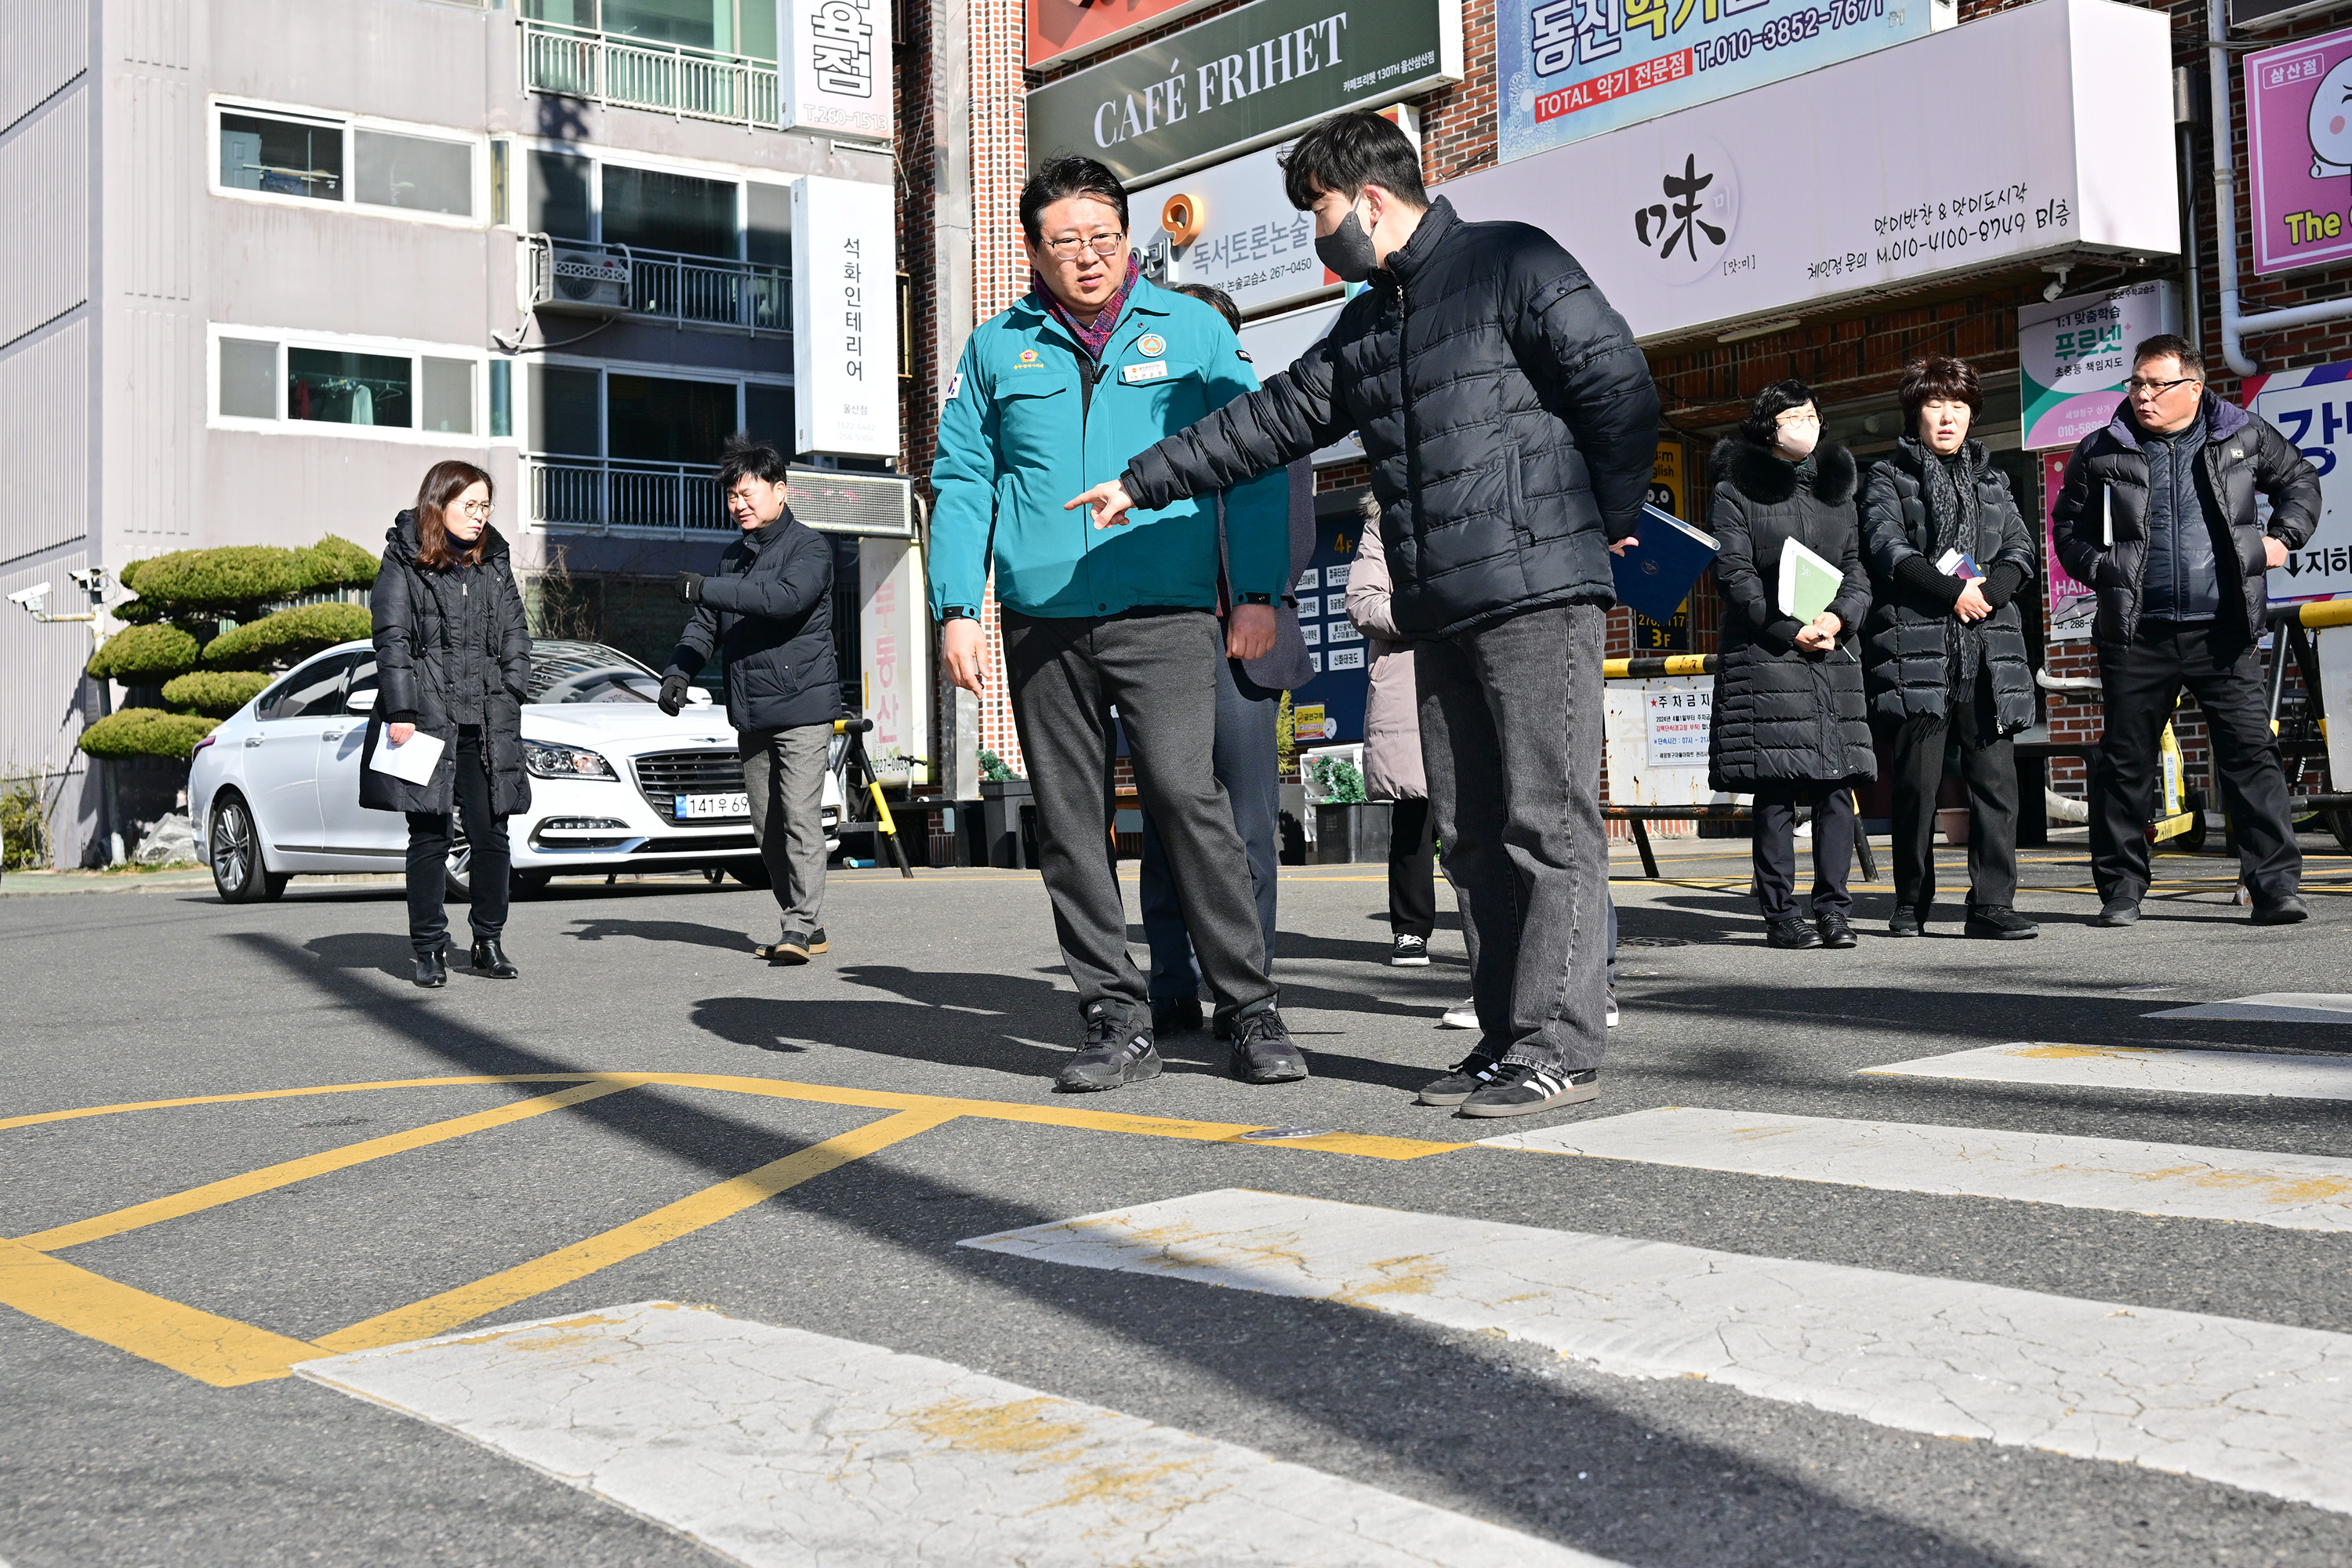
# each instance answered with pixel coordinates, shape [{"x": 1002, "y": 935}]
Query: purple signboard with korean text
[{"x": 2299, "y": 149}]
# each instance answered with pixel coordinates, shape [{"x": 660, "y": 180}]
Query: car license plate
[{"x": 698, "y": 807}]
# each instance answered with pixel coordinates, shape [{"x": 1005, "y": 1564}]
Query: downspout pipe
[{"x": 2236, "y": 327}]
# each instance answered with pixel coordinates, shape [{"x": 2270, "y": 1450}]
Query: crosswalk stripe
[
  {"x": 2293, "y": 1191},
  {"x": 2164, "y": 1069},
  {"x": 2251, "y": 1404},
  {"x": 774, "y": 1446},
  {"x": 2271, "y": 1007}
]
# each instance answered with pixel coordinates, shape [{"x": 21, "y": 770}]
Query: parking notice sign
[
  {"x": 1679, "y": 721},
  {"x": 2313, "y": 407}
]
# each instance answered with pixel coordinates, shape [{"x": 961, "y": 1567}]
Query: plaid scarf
[{"x": 1096, "y": 338}]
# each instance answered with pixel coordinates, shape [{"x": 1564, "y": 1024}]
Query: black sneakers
[
  {"x": 1790, "y": 933},
  {"x": 2117, "y": 911},
  {"x": 1905, "y": 923},
  {"x": 1998, "y": 922},
  {"x": 2286, "y": 912},
  {"x": 1518, "y": 1088},
  {"x": 1175, "y": 1015},
  {"x": 1115, "y": 1052},
  {"x": 1408, "y": 951},
  {"x": 1263, "y": 1050},
  {"x": 1463, "y": 1079}
]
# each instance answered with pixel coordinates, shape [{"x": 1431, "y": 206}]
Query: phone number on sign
[{"x": 1781, "y": 32}]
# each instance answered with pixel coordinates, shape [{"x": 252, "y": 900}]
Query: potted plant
[{"x": 1349, "y": 828}]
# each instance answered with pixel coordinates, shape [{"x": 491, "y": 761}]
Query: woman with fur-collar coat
[{"x": 1790, "y": 725}]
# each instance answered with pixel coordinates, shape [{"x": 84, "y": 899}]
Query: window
[
  {"x": 343, "y": 388},
  {"x": 648, "y": 416},
  {"x": 420, "y": 173},
  {"x": 560, "y": 202},
  {"x": 651, "y": 209},
  {"x": 501, "y": 398},
  {"x": 248, "y": 378},
  {"x": 363, "y": 679},
  {"x": 311, "y": 691},
  {"x": 448, "y": 395},
  {"x": 768, "y": 416},
  {"x": 359, "y": 384},
  {"x": 566, "y": 411},
  {"x": 328, "y": 158},
  {"x": 654, "y": 419},
  {"x": 722, "y": 27}
]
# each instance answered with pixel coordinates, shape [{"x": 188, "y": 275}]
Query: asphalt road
[{"x": 948, "y": 986}]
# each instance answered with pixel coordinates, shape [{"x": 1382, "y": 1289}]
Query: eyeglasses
[
  {"x": 1069, "y": 247},
  {"x": 1798, "y": 420},
  {"x": 479, "y": 511},
  {"x": 2139, "y": 388}
]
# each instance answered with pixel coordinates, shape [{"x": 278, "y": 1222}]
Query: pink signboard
[
  {"x": 2072, "y": 604},
  {"x": 2299, "y": 146}
]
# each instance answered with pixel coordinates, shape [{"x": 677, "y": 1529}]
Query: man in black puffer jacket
[
  {"x": 768, "y": 614},
  {"x": 2157, "y": 513},
  {"x": 1512, "y": 426}
]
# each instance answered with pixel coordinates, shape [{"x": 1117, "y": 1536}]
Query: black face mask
[{"x": 1348, "y": 250}]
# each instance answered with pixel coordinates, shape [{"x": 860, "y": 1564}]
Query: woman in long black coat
[
  {"x": 1944, "y": 654},
  {"x": 452, "y": 662},
  {"x": 1789, "y": 723}
]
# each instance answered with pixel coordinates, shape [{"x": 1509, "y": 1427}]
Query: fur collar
[{"x": 1760, "y": 476}]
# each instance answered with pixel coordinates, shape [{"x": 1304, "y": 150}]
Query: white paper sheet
[{"x": 413, "y": 763}]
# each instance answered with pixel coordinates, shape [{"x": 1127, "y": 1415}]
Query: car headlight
[{"x": 549, "y": 760}]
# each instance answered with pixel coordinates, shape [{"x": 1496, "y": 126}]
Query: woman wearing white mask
[{"x": 1790, "y": 726}]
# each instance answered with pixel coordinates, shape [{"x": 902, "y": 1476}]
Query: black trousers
[
  {"x": 1775, "y": 853},
  {"x": 1413, "y": 869},
  {"x": 429, "y": 837},
  {"x": 1160, "y": 672},
  {"x": 1989, "y": 768},
  {"x": 2142, "y": 679},
  {"x": 1245, "y": 762}
]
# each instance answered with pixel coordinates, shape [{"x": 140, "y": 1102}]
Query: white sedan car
[{"x": 616, "y": 783}]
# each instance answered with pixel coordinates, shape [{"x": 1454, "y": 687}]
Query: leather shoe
[
  {"x": 433, "y": 968},
  {"x": 491, "y": 960},
  {"x": 1905, "y": 923},
  {"x": 1836, "y": 931},
  {"x": 2117, "y": 912},
  {"x": 1789, "y": 932},
  {"x": 2285, "y": 911},
  {"x": 1998, "y": 922}
]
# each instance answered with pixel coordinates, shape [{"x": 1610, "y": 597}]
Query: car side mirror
[
  {"x": 361, "y": 701},
  {"x": 696, "y": 696}
]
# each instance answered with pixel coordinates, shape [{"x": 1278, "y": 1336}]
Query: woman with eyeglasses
[
  {"x": 453, "y": 657},
  {"x": 1790, "y": 724}
]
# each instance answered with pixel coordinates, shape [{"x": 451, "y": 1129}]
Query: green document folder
[{"x": 1808, "y": 583}]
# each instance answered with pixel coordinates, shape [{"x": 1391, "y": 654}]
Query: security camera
[
  {"x": 90, "y": 580},
  {"x": 35, "y": 598}
]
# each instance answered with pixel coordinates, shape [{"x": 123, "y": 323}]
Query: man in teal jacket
[{"x": 1112, "y": 628}]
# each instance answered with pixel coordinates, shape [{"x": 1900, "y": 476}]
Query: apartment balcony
[
  {"x": 637, "y": 73},
  {"x": 621, "y": 498},
  {"x": 686, "y": 291}
]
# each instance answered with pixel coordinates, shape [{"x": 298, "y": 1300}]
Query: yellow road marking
[
  {"x": 453, "y": 1309},
  {"x": 210, "y": 1349},
  {"x": 212, "y": 1194}
]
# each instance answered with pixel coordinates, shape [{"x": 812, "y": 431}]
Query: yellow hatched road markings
[{"x": 227, "y": 1354}]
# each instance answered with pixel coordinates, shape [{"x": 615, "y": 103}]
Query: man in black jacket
[
  {"x": 768, "y": 614},
  {"x": 1512, "y": 426},
  {"x": 2157, "y": 513}
]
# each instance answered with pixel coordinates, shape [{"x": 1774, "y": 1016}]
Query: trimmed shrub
[
  {"x": 276, "y": 641},
  {"x": 144, "y": 656},
  {"x": 339, "y": 564},
  {"x": 146, "y": 732},
  {"x": 227, "y": 577},
  {"x": 217, "y": 693}
]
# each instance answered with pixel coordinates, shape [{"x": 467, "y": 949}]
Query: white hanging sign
[
  {"x": 833, "y": 73},
  {"x": 845, "y": 318},
  {"x": 893, "y": 639}
]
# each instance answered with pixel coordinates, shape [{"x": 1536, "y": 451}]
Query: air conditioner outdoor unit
[{"x": 582, "y": 279}]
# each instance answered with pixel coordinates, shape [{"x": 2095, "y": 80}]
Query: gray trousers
[
  {"x": 1160, "y": 672},
  {"x": 783, "y": 772},
  {"x": 1510, "y": 734},
  {"x": 1246, "y": 764}
]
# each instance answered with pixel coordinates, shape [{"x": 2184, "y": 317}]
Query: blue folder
[{"x": 1655, "y": 577}]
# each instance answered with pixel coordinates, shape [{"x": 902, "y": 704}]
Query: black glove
[
  {"x": 673, "y": 697},
  {"x": 690, "y": 587}
]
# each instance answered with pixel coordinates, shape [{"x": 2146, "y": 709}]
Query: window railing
[
  {"x": 699, "y": 290},
  {"x": 635, "y": 73},
  {"x": 607, "y": 495}
]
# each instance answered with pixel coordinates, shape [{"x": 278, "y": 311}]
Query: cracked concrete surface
[
  {"x": 2255, "y": 1406},
  {"x": 2293, "y": 1191},
  {"x": 774, "y": 1446}
]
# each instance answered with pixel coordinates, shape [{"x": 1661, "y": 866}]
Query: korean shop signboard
[
  {"x": 845, "y": 318},
  {"x": 1574, "y": 69},
  {"x": 2313, "y": 409},
  {"x": 835, "y": 71},
  {"x": 1699, "y": 220},
  {"x": 2299, "y": 152},
  {"x": 1072, "y": 29},
  {"x": 2074, "y": 354},
  {"x": 1240, "y": 82}
]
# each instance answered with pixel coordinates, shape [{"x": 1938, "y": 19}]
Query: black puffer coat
[
  {"x": 2244, "y": 456},
  {"x": 1511, "y": 424},
  {"x": 436, "y": 634},
  {"x": 767, "y": 612},
  {"x": 1906, "y": 661},
  {"x": 1781, "y": 713}
]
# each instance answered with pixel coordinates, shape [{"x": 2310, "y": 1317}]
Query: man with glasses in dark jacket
[
  {"x": 767, "y": 612},
  {"x": 1512, "y": 426},
  {"x": 2157, "y": 513}
]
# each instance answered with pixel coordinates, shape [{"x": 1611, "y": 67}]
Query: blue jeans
[{"x": 1243, "y": 762}]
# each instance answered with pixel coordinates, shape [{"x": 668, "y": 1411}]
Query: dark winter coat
[
  {"x": 1907, "y": 648},
  {"x": 1781, "y": 713},
  {"x": 1510, "y": 421},
  {"x": 2244, "y": 456},
  {"x": 449, "y": 646},
  {"x": 767, "y": 613}
]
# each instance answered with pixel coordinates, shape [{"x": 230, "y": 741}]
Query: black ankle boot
[
  {"x": 433, "y": 968},
  {"x": 490, "y": 959}
]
